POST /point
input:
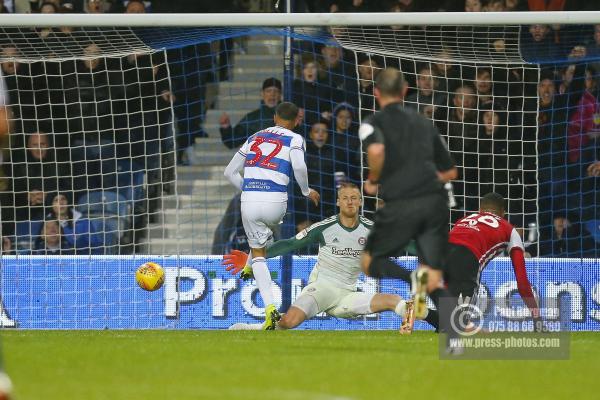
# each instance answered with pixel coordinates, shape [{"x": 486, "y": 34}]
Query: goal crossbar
[{"x": 300, "y": 19}]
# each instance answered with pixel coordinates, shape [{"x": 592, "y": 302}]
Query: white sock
[
  {"x": 400, "y": 308},
  {"x": 263, "y": 279},
  {"x": 241, "y": 326},
  {"x": 249, "y": 259}
]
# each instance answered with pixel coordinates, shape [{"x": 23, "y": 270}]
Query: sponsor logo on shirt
[{"x": 348, "y": 251}]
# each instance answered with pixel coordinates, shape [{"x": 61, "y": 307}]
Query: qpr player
[{"x": 267, "y": 159}]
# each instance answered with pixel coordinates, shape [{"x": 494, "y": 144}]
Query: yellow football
[{"x": 150, "y": 276}]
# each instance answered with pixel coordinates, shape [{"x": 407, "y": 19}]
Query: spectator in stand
[
  {"x": 446, "y": 73},
  {"x": 339, "y": 75},
  {"x": 3, "y": 8},
  {"x": 426, "y": 99},
  {"x": 537, "y": 44},
  {"x": 39, "y": 175},
  {"x": 88, "y": 94},
  {"x": 564, "y": 238},
  {"x": 7, "y": 246},
  {"x": 27, "y": 86},
  {"x": 91, "y": 95},
  {"x": 46, "y": 8},
  {"x": 462, "y": 142},
  {"x": 321, "y": 174},
  {"x": 355, "y": 6},
  {"x": 584, "y": 124},
  {"x": 516, "y": 5},
  {"x": 149, "y": 102},
  {"x": 135, "y": 7},
  {"x": 487, "y": 93},
  {"x": 97, "y": 7},
  {"x": 551, "y": 148},
  {"x": 50, "y": 241},
  {"x": 308, "y": 94},
  {"x": 345, "y": 142},
  {"x": 591, "y": 84},
  {"x": 493, "y": 6},
  {"x": 367, "y": 72},
  {"x": 77, "y": 232},
  {"x": 492, "y": 149},
  {"x": 254, "y": 121},
  {"x": 473, "y": 6},
  {"x": 593, "y": 48}
]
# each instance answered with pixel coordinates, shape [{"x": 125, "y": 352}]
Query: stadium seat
[
  {"x": 105, "y": 204},
  {"x": 130, "y": 183},
  {"x": 593, "y": 227},
  {"x": 111, "y": 232},
  {"x": 26, "y": 232}
]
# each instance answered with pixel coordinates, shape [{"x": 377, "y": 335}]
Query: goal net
[{"x": 117, "y": 139}]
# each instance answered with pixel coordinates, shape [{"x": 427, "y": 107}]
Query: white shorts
[
  {"x": 259, "y": 219},
  {"x": 320, "y": 296}
]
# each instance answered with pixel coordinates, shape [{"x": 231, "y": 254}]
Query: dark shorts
[
  {"x": 424, "y": 219},
  {"x": 462, "y": 271}
]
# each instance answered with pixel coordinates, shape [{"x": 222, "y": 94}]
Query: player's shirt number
[
  {"x": 265, "y": 162},
  {"x": 488, "y": 220}
]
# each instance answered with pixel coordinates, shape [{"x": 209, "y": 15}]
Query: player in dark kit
[
  {"x": 475, "y": 240},
  {"x": 409, "y": 161}
]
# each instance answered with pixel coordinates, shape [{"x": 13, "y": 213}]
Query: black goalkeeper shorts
[{"x": 424, "y": 219}]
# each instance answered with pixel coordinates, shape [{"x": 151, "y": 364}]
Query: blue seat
[
  {"x": 105, "y": 204},
  {"x": 26, "y": 232},
  {"x": 110, "y": 232},
  {"x": 593, "y": 227},
  {"x": 130, "y": 183}
]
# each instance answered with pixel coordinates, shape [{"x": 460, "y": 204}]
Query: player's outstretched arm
[
  {"x": 518, "y": 261},
  {"x": 236, "y": 260}
]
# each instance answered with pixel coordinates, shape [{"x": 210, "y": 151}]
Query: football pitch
[{"x": 321, "y": 365}]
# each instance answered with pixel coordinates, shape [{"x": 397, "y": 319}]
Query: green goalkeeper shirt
[{"x": 340, "y": 249}]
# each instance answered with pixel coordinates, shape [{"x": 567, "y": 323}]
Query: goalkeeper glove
[{"x": 235, "y": 261}]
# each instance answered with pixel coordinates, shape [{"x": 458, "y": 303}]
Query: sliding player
[
  {"x": 268, "y": 158},
  {"x": 332, "y": 283}
]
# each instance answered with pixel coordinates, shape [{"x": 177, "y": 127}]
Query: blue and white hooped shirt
[{"x": 268, "y": 164}]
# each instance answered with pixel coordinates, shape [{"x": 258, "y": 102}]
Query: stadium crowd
[{"x": 65, "y": 129}]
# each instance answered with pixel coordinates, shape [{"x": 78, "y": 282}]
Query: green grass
[{"x": 279, "y": 365}]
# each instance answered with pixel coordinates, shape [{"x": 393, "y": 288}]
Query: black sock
[
  {"x": 433, "y": 319},
  {"x": 444, "y": 303},
  {"x": 382, "y": 267}
]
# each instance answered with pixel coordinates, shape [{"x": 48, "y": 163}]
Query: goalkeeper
[{"x": 332, "y": 283}]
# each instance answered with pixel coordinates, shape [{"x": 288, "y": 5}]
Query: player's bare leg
[
  {"x": 263, "y": 281},
  {"x": 391, "y": 302}
]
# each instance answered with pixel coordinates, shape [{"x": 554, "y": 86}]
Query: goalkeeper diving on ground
[{"x": 332, "y": 283}]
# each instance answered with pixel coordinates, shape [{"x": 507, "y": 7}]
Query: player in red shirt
[{"x": 475, "y": 240}]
